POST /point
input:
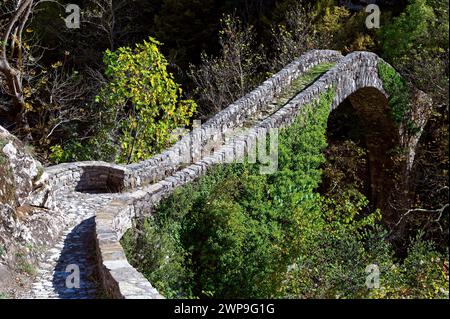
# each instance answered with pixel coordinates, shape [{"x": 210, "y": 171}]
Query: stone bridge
[{"x": 102, "y": 201}]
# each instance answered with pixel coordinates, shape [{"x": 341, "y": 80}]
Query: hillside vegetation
[{"x": 117, "y": 87}]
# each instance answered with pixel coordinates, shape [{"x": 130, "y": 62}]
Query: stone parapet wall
[
  {"x": 87, "y": 177},
  {"x": 119, "y": 279}
]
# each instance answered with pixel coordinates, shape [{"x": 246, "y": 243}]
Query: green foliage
[
  {"x": 2, "y": 159},
  {"x": 100, "y": 146},
  {"x": 72, "y": 152},
  {"x": 3, "y": 296},
  {"x": 416, "y": 43},
  {"x": 331, "y": 267},
  {"x": 23, "y": 264},
  {"x": 58, "y": 155},
  {"x": 400, "y": 37},
  {"x": 399, "y": 94},
  {"x": 163, "y": 266},
  {"x": 421, "y": 275},
  {"x": 397, "y": 90},
  {"x": 27, "y": 268},
  {"x": 335, "y": 267},
  {"x": 141, "y": 87}
]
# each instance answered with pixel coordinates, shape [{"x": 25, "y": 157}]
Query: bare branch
[{"x": 423, "y": 210}]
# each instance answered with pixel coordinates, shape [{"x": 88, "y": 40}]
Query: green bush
[
  {"x": 397, "y": 90},
  {"x": 146, "y": 99},
  {"x": 400, "y": 37},
  {"x": 399, "y": 96},
  {"x": 416, "y": 43},
  {"x": 160, "y": 256},
  {"x": 421, "y": 275},
  {"x": 100, "y": 147}
]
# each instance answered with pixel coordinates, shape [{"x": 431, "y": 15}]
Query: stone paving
[{"x": 75, "y": 247}]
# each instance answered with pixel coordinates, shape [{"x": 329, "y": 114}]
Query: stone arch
[
  {"x": 391, "y": 148},
  {"x": 382, "y": 137}
]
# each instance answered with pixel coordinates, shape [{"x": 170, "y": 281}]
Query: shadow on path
[{"x": 78, "y": 251}]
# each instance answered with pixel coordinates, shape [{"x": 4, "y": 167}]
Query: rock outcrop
[{"x": 26, "y": 225}]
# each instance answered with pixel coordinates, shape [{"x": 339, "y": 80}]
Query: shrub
[
  {"x": 399, "y": 96},
  {"x": 400, "y": 37},
  {"x": 145, "y": 98},
  {"x": 221, "y": 80}
]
